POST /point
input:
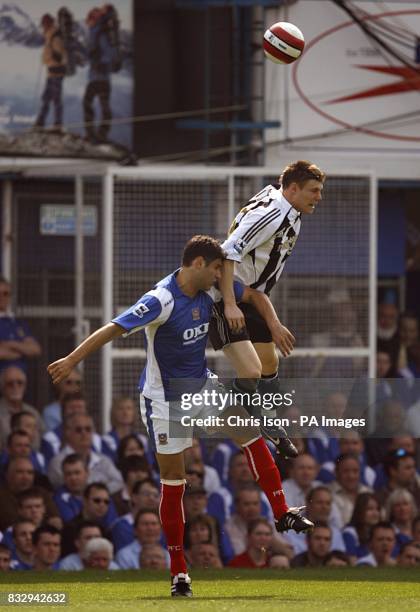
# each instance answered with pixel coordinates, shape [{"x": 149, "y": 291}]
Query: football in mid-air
[{"x": 283, "y": 43}]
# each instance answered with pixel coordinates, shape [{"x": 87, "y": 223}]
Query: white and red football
[{"x": 283, "y": 43}]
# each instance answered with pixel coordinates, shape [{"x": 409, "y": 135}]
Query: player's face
[
  {"x": 210, "y": 274},
  {"x": 304, "y": 199}
]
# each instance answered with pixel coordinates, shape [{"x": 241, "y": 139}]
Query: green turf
[{"x": 361, "y": 589}]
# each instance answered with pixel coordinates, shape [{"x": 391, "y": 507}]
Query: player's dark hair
[
  {"x": 301, "y": 172},
  {"x": 202, "y": 246},
  {"x": 380, "y": 525},
  {"x": 15, "y": 419},
  {"x": 44, "y": 529},
  {"x": 72, "y": 459},
  {"x": 138, "y": 485},
  {"x": 143, "y": 511},
  {"x": 95, "y": 485}
]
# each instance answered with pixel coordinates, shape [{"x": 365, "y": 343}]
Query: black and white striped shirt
[{"x": 261, "y": 238}]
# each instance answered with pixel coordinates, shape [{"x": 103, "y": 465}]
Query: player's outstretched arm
[
  {"x": 60, "y": 369},
  {"x": 233, "y": 314},
  {"x": 282, "y": 337}
]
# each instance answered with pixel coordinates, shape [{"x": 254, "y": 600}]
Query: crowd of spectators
[{"x": 73, "y": 499}]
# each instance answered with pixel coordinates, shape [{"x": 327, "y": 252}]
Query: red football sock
[
  {"x": 266, "y": 474},
  {"x": 171, "y": 512}
]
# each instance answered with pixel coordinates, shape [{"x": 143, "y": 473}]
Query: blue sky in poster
[{"x": 23, "y": 75}]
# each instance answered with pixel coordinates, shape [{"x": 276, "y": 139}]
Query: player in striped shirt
[
  {"x": 261, "y": 238},
  {"x": 175, "y": 316}
]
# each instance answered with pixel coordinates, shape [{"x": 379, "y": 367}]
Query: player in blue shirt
[{"x": 175, "y": 316}]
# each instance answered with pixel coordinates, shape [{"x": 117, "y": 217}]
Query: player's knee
[{"x": 270, "y": 364}]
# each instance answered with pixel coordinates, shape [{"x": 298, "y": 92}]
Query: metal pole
[
  {"x": 79, "y": 261},
  {"x": 373, "y": 281},
  {"x": 107, "y": 293},
  {"x": 7, "y": 240}
]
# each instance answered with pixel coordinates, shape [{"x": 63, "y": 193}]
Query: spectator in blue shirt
[
  {"x": 366, "y": 514},
  {"x": 124, "y": 421},
  {"x": 52, "y": 413},
  {"x": 22, "y": 555},
  {"x": 5, "y": 558},
  {"x": 147, "y": 531},
  {"x": 133, "y": 469},
  {"x": 17, "y": 344},
  {"x": 87, "y": 530},
  {"x": 19, "y": 445},
  {"x": 47, "y": 548}
]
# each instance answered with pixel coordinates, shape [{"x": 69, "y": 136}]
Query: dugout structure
[{"x": 144, "y": 215}]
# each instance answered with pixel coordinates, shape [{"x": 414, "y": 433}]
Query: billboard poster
[{"x": 66, "y": 68}]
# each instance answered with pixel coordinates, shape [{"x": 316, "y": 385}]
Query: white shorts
[{"x": 169, "y": 437}]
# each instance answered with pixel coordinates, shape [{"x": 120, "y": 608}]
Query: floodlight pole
[{"x": 107, "y": 293}]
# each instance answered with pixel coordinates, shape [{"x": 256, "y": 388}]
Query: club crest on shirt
[
  {"x": 195, "y": 314},
  {"x": 163, "y": 438},
  {"x": 239, "y": 246}
]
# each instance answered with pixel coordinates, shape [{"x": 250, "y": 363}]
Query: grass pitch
[{"x": 340, "y": 589}]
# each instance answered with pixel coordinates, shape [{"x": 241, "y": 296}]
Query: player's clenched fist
[{"x": 60, "y": 369}]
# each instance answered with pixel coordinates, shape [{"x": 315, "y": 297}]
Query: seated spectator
[
  {"x": 96, "y": 501},
  {"x": 130, "y": 446},
  {"x": 319, "y": 546},
  {"x": 323, "y": 443},
  {"x": 248, "y": 509},
  {"x": 78, "y": 438},
  {"x": 201, "y": 527},
  {"x": 71, "y": 404},
  {"x": 259, "y": 545},
  {"x": 154, "y": 557},
  {"x": 97, "y": 554},
  {"x": 408, "y": 338},
  {"x": 27, "y": 422},
  {"x": 400, "y": 469},
  {"x": 124, "y": 422},
  {"x": 5, "y": 558},
  {"x": 69, "y": 497},
  {"x": 134, "y": 469},
  {"x": 302, "y": 479},
  {"x": 391, "y": 419},
  {"x": 356, "y": 534},
  {"x": 52, "y": 413},
  {"x": 381, "y": 544},
  {"x": 193, "y": 458},
  {"x": 409, "y": 555},
  {"x": 85, "y": 531},
  {"x": 13, "y": 387},
  {"x": 347, "y": 486},
  {"x": 388, "y": 337},
  {"x": 147, "y": 531},
  {"x": 400, "y": 511},
  {"x": 406, "y": 443},
  {"x": 145, "y": 495},
  {"x": 71, "y": 385},
  {"x": 22, "y": 556},
  {"x": 319, "y": 508},
  {"x": 19, "y": 477},
  {"x": 17, "y": 344},
  {"x": 203, "y": 556},
  {"x": 46, "y": 542},
  {"x": 221, "y": 459},
  {"x": 416, "y": 529},
  {"x": 19, "y": 445},
  {"x": 336, "y": 558},
  {"x": 351, "y": 443}
]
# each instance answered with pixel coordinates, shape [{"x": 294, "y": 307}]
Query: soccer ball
[{"x": 283, "y": 43}]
